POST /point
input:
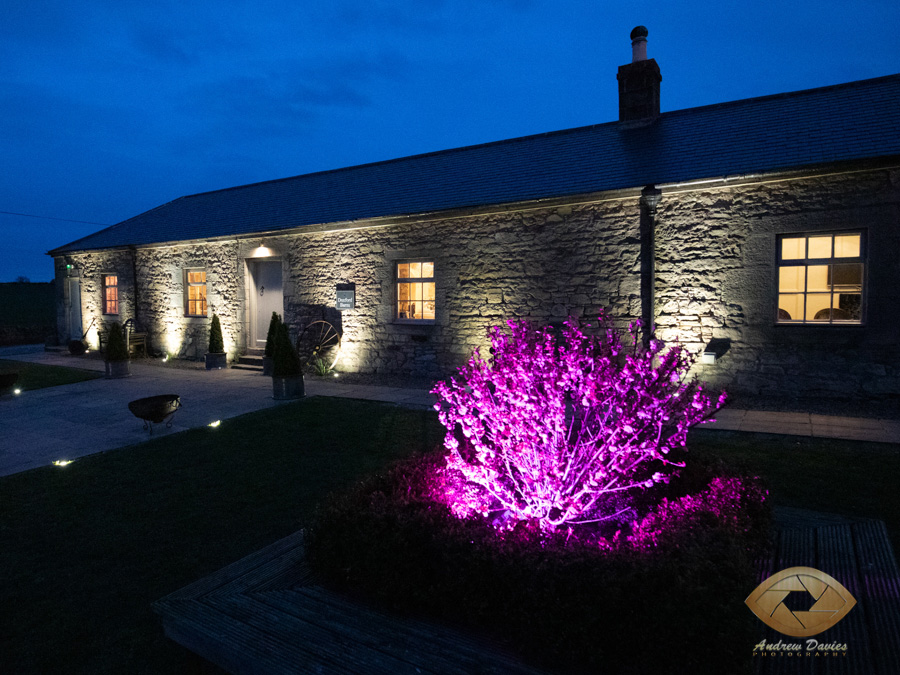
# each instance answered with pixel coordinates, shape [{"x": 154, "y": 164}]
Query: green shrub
[
  {"x": 565, "y": 603},
  {"x": 271, "y": 335},
  {"x": 216, "y": 343},
  {"x": 320, "y": 367},
  {"x": 116, "y": 349},
  {"x": 285, "y": 361}
]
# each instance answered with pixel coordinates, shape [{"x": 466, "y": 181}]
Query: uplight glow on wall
[{"x": 174, "y": 337}]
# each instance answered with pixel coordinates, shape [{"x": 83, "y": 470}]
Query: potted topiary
[
  {"x": 216, "y": 358},
  {"x": 117, "y": 362},
  {"x": 287, "y": 374},
  {"x": 270, "y": 343}
]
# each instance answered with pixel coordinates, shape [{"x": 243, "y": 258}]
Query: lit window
[
  {"x": 821, "y": 278},
  {"x": 415, "y": 291},
  {"x": 195, "y": 292},
  {"x": 110, "y": 294}
]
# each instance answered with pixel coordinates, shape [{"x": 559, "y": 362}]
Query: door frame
[
  {"x": 70, "y": 304},
  {"x": 252, "y": 334}
]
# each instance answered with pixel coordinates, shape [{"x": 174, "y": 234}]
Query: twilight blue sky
[{"x": 112, "y": 107}]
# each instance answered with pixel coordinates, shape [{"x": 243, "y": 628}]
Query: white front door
[
  {"x": 268, "y": 297},
  {"x": 73, "y": 308}
]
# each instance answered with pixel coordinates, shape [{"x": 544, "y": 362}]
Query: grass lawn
[
  {"x": 86, "y": 549},
  {"x": 38, "y": 376},
  {"x": 823, "y": 474}
]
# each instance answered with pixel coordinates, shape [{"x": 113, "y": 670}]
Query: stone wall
[
  {"x": 90, "y": 268},
  {"x": 715, "y": 278},
  {"x": 543, "y": 264},
  {"x": 159, "y": 297}
]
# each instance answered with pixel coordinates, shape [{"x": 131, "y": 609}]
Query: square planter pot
[
  {"x": 284, "y": 388},
  {"x": 216, "y": 361},
  {"x": 117, "y": 369}
]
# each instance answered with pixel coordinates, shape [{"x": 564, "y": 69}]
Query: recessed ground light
[
  {"x": 17, "y": 391},
  {"x": 63, "y": 462},
  {"x": 335, "y": 374},
  {"x": 215, "y": 424}
]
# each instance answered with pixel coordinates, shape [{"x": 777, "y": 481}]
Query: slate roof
[{"x": 853, "y": 121}]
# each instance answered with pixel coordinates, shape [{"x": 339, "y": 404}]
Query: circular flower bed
[
  {"x": 562, "y": 517},
  {"x": 663, "y": 595}
]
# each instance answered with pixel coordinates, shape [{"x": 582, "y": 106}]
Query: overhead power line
[{"x": 65, "y": 220}]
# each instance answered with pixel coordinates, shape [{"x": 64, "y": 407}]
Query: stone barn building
[{"x": 763, "y": 233}]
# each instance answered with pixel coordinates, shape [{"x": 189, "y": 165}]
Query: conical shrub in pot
[
  {"x": 271, "y": 337},
  {"x": 216, "y": 358},
  {"x": 287, "y": 373},
  {"x": 117, "y": 363}
]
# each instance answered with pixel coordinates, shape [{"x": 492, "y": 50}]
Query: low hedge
[{"x": 565, "y": 602}]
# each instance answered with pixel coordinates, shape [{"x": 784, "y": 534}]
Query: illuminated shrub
[{"x": 556, "y": 430}]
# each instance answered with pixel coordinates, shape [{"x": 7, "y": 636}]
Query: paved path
[
  {"x": 67, "y": 422},
  {"x": 71, "y": 421},
  {"x": 808, "y": 424}
]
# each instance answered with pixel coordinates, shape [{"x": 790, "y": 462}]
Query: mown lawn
[
  {"x": 38, "y": 376},
  {"x": 822, "y": 474},
  {"x": 86, "y": 549}
]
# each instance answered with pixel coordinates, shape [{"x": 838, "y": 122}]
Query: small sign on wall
[{"x": 346, "y": 297}]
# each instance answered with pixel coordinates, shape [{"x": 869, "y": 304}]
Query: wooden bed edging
[{"x": 267, "y": 614}]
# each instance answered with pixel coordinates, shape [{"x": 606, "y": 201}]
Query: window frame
[
  {"x": 412, "y": 280},
  {"x": 807, "y": 262},
  {"x": 187, "y": 285},
  {"x": 105, "y": 287}
]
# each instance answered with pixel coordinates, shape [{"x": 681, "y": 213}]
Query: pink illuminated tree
[{"x": 555, "y": 428}]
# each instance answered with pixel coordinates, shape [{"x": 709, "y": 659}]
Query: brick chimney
[{"x": 638, "y": 85}]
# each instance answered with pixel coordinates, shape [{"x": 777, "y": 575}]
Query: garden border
[{"x": 266, "y": 613}]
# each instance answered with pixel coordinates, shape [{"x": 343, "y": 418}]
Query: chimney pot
[{"x": 639, "y": 44}]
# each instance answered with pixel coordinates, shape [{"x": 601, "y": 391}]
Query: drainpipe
[
  {"x": 134, "y": 283},
  {"x": 650, "y": 196}
]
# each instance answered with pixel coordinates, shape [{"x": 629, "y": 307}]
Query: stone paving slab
[
  {"x": 807, "y": 424},
  {"x": 72, "y": 421}
]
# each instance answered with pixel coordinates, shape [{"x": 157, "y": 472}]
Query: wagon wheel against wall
[{"x": 319, "y": 340}]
